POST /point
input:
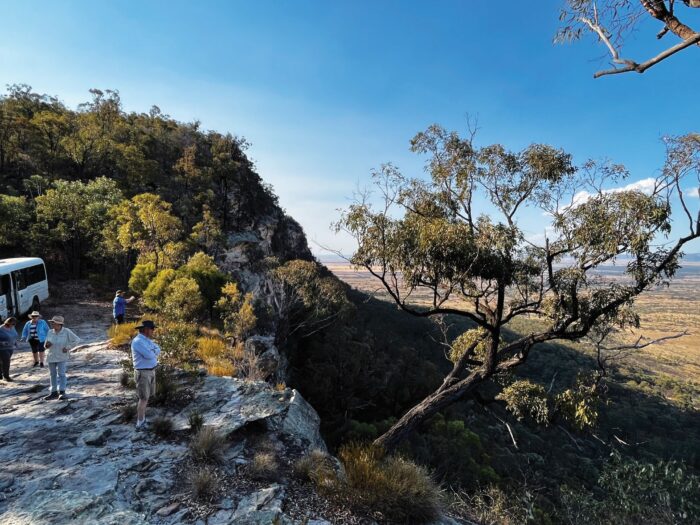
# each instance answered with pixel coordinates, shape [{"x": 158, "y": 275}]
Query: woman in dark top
[{"x": 8, "y": 343}]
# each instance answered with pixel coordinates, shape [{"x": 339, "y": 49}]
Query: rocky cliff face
[{"x": 78, "y": 461}]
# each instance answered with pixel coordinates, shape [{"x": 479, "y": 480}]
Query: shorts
[{"x": 145, "y": 383}]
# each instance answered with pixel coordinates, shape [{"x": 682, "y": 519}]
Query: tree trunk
[{"x": 427, "y": 408}]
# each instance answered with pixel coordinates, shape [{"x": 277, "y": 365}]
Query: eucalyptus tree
[
  {"x": 611, "y": 22},
  {"x": 453, "y": 243}
]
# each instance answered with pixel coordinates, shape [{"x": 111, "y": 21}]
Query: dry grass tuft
[
  {"x": 120, "y": 335},
  {"x": 316, "y": 466},
  {"x": 203, "y": 484},
  {"x": 264, "y": 467},
  {"x": 220, "y": 367},
  {"x": 208, "y": 445},
  {"x": 196, "y": 421},
  {"x": 395, "y": 487}
]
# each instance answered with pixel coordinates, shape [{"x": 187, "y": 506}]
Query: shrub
[
  {"x": 177, "y": 342},
  {"x": 237, "y": 311},
  {"x": 397, "y": 488},
  {"x": 220, "y": 367},
  {"x": 162, "y": 426},
  {"x": 211, "y": 347},
  {"x": 316, "y": 466},
  {"x": 183, "y": 299},
  {"x": 141, "y": 277},
  {"x": 166, "y": 386},
  {"x": 128, "y": 412},
  {"x": 121, "y": 334},
  {"x": 492, "y": 506},
  {"x": 196, "y": 420},
  {"x": 202, "y": 268},
  {"x": 127, "y": 380},
  {"x": 524, "y": 398},
  {"x": 207, "y": 445},
  {"x": 203, "y": 484},
  {"x": 154, "y": 296},
  {"x": 264, "y": 467}
]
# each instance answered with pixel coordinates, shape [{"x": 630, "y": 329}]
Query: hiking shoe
[
  {"x": 52, "y": 395},
  {"x": 41, "y": 365},
  {"x": 9, "y": 379},
  {"x": 35, "y": 364},
  {"x": 62, "y": 396}
]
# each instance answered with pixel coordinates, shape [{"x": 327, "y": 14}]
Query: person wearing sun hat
[
  {"x": 144, "y": 352},
  {"x": 59, "y": 342},
  {"x": 35, "y": 331},
  {"x": 119, "y": 306}
]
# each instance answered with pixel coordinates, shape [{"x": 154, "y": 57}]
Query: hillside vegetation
[{"x": 180, "y": 214}]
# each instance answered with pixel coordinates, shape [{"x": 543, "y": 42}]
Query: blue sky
[{"x": 327, "y": 90}]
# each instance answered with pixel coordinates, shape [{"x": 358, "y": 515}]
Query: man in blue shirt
[
  {"x": 144, "y": 352},
  {"x": 119, "y": 306}
]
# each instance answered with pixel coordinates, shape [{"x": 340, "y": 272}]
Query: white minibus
[{"x": 23, "y": 285}]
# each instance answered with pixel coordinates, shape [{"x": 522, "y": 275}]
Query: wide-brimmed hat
[
  {"x": 35, "y": 314},
  {"x": 58, "y": 319},
  {"x": 118, "y": 292},
  {"x": 146, "y": 324}
]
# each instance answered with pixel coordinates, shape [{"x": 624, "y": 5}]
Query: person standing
[
  {"x": 59, "y": 342},
  {"x": 144, "y": 352},
  {"x": 35, "y": 331},
  {"x": 8, "y": 343},
  {"x": 119, "y": 306}
]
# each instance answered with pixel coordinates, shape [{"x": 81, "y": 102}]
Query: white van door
[
  {"x": 6, "y": 297},
  {"x": 22, "y": 296}
]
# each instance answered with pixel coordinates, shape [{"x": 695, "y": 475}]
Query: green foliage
[
  {"x": 177, "y": 340},
  {"x": 145, "y": 223},
  {"x": 476, "y": 338},
  {"x": 70, "y": 218},
  {"x": 202, "y": 268},
  {"x": 236, "y": 311},
  {"x": 308, "y": 298},
  {"x": 636, "y": 492},
  {"x": 183, "y": 300},
  {"x": 15, "y": 214},
  {"x": 579, "y": 405},
  {"x": 196, "y": 421},
  {"x": 141, "y": 277},
  {"x": 524, "y": 398},
  {"x": 157, "y": 290}
]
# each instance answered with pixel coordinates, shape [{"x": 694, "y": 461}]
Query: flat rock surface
[{"x": 76, "y": 461}]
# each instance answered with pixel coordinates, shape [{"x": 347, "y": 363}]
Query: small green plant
[
  {"x": 203, "y": 484},
  {"x": 196, "y": 421},
  {"x": 162, "y": 427},
  {"x": 208, "y": 445},
  {"x": 264, "y": 467},
  {"x": 166, "y": 386}
]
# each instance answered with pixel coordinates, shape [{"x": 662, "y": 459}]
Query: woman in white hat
[
  {"x": 59, "y": 343},
  {"x": 35, "y": 331}
]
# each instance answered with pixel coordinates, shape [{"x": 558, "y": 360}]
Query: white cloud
[
  {"x": 646, "y": 186},
  {"x": 692, "y": 192}
]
